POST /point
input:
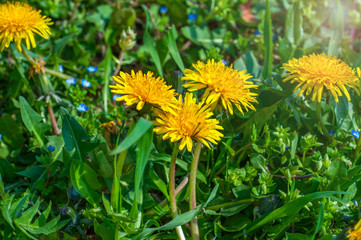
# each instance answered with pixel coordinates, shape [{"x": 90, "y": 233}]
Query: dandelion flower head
[
  {"x": 222, "y": 82},
  {"x": 138, "y": 88},
  {"x": 190, "y": 121},
  {"x": 20, "y": 21},
  {"x": 317, "y": 72},
  {"x": 356, "y": 233}
]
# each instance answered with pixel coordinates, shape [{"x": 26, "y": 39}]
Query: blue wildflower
[
  {"x": 74, "y": 195},
  {"x": 71, "y": 81},
  {"x": 256, "y": 33},
  {"x": 92, "y": 69},
  {"x": 192, "y": 17},
  {"x": 115, "y": 96},
  {"x": 331, "y": 132},
  {"x": 163, "y": 9},
  {"x": 1, "y": 136},
  {"x": 288, "y": 147},
  {"x": 224, "y": 62},
  {"x": 355, "y": 202},
  {"x": 274, "y": 38},
  {"x": 51, "y": 148},
  {"x": 82, "y": 108},
  {"x": 85, "y": 83},
  {"x": 356, "y": 134},
  {"x": 61, "y": 69}
]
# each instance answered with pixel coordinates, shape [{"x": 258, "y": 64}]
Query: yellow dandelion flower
[
  {"x": 317, "y": 72},
  {"x": 191, "y": 121},
  {"x": 20, "y": 21},
  {"x": 222, "y": 82},
  {"x": 356, "y": 233},
  {"x": 138, "y": 88}
]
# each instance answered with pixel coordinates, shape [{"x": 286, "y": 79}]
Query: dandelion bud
[{"x": 127, "y": 40}]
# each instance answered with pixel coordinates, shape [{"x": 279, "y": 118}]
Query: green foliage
[{"x": 285, "y": 171}]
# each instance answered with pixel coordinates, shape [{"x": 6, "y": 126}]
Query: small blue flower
[
  {"x": 256, "y": 33},
  {"x": 115, "y": 96},
  {"x": 1, "y": 136},
  {"x": 82, "y": 108},
  {"x": 71, "y": 81},
  {"x": 163, "y": 9},
  {"x": 61, "y": 69},
  {"x": 51, "y": 148},
  {"x": 75, "y": 196},
  {"x": 356, "y": 134},
  {"x": 92, "y": 69},
  {"x": 288, "y": 147},
  {"x": 274, "y": 38},
  {"x": 355, "y": 202},
  {"x": 85, "y": 83},
  {"x": 224, "y": 62},
  {"x": 331, "y": 132},
  {"x": 192, "y": 17}
]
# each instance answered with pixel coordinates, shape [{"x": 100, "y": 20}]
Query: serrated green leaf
[
  {"x": 75, "y": 136},
  {"x": 16, "y": 207},
  {"x": 33, "y": 121},
  {"x": 6, "y": 206},
  {"x": 29, "y": 214}
]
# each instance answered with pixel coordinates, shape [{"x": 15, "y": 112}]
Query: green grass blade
[
  {"x": 33, "y": 121},
  {"x": 173, "y": 49},
  {"x": 290, "y": 209},
  {"x": 107, "y": 66},
  {"x": 294, "y": 30},
  {"x": 337, "y": 23},
  {"x": 139, "y": 130},
  {"x": 181, "y": 219},
  {"x": 149, "y": 43},
  {"x": 268, "y": 41}
]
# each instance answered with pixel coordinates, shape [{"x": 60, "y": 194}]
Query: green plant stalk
[
  {"x": 193, "y": 188},
  {"x": 358, "y": 149},
  {"x": 116, "y": 198},
  {"x": 26, "y": 82},
  {"x": 47, "y": 70},
  {"x": 320, "y": 122},
  {"x": 172, "y": 193},
  {"x": 119, "y": 65},
  {"x": 116, "y": 193},
  {"x": 229, "y": 204}
]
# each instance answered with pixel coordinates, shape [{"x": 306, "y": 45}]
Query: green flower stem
[
  {"x": 119, "y": 65},
  {"x": 47, "y": 70},
  {"x": 358, "y": 149},
  {"x": 116, "y": 193},
  {"x": 320, "y": 122},
  {"x": 172, "y": 193},
  {"x": 193, "y": 188},
  {"x": 57, "y": 74},
  {"x": 228, "y": 204}
]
